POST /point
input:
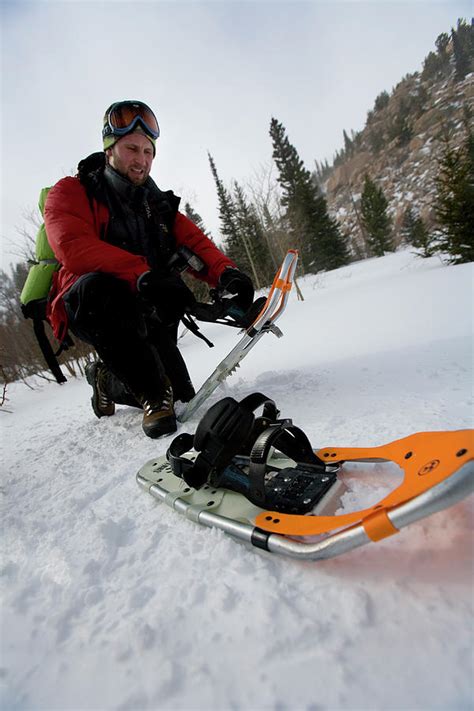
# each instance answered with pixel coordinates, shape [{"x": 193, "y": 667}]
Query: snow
[{"x": 110, "y": 600}]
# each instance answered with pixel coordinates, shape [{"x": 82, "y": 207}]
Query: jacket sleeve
[
  {"x": 74, "y": 235},
  {"x": 188, "y": 234}
]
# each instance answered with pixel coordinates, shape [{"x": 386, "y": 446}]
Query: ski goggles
[{"x": 124, "y": 116}]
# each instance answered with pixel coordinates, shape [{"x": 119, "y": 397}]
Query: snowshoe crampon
[{"x": 259, "y": 480}]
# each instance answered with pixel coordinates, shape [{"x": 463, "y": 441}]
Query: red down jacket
[{"x": 74, "y": 225}]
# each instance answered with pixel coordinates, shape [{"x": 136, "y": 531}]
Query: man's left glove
[
  {"x": 236, "y": 282},
  {"x": 169, "y": 294}
]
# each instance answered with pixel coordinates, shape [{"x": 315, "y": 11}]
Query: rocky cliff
[{"x": 399, "y": 148}]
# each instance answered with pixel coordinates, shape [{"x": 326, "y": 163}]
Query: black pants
[{"x": 138, "y": 348}]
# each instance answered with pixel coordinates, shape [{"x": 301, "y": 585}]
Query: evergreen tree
[
  {"x": 406, "y": 229},
  {"x": 442, "y": 42},
  {"x": 455, "y": 200},
  {"x": 432, "y": 64},
  {"x": 415, "y": 232},
  {"x": 199, "y": 288},
  {"x": 312, "y": 229},
  {"x": 196, "y": 218},
  {"x": 375, "y": 218},
  {"x": 401, "y": 128},
  {"x": 244, "y": 242},
  {"x": 258, "y": 260},
  {"x": 228, "y": 217},
  {"x": 421, "y": 238},
  {"x": 463, "y": 49},
  {"x": 348, "y": 145},
  {"x": 376, "y": 139},
  {"x": 381, "y": 101}
]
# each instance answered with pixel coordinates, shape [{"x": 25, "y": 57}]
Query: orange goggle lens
[{"x": 124, "y": 117}]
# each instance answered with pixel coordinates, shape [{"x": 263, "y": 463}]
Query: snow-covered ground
[{"x": 113, "y": 601}]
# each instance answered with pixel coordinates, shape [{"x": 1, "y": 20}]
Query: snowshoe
[
  {"x": 259, "y": 480},
  {"x": 260, "y": 319}
]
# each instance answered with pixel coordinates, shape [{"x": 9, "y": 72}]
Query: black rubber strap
[
  {"x": 179, "y": 464},
  {"x": 291, "y": 441},
  {"x": 258, "y": 462},
  {"x": 220, "y": 435},
  {"x": 254, "y": 400}
]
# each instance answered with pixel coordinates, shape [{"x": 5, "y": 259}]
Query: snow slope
[{"x": 113, "y": 601}]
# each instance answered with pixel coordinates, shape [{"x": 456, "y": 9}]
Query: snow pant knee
[
  {"x": 104, "y": 312},
  {"x": 100, "y": 306}
]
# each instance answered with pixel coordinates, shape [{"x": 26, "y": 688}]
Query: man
[{"x": 117, "y": 235}]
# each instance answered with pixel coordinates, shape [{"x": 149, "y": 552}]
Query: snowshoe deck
[{"x": 438, "y": 472}]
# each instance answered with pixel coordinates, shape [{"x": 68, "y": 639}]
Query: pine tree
[
  {"x": 348, "y": 145},
  {"x": 244, "y": 242},
  {"x": 199, "y": 288},
  {"x": 400, "y": 127},
  {"x": 422, "y": 239},
  {"x": 196, "y": 218},
  {"x": 432, "y": 64},
  {"x": 415, "y": 232},
  {"x": 455, "y": 200},
  {"x": 463, "y": 49},
  {"x": 375, "y": 218},
  {"x": 258, "y": 262},
  {"x": 381, "y": 101},
  {"x": 228, "y": 217},
  {"x": 312, "y": 229},
  {"x": 442, "y": 42}
]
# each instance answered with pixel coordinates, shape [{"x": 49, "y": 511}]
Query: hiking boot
[
  {"x": 158, "y": 415},
  {"x": 102, "y": 405}
]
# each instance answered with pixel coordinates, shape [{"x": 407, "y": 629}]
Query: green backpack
[{"x": 33, "y": 297}]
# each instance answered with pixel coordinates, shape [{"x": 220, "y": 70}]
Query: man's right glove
[
  {"x": 236, "y": 282},
  {"x": 169, "y": 294}
]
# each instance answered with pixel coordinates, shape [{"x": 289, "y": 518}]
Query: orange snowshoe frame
[{"x": 427, "y": 459}]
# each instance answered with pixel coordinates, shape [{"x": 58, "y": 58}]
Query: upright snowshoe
[
  {"x": 259, "y": 320},
  {"x": 258, "y": 479}
]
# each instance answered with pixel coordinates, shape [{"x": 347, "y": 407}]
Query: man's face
[{"x": 132, "y": 157}]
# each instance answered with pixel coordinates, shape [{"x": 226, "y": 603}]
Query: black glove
[
  {"x": 238, "y": 283},
  {"x": 169, "y": 294}
]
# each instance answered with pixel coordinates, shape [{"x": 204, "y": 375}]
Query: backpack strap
[{"x": 36, "y": 311}]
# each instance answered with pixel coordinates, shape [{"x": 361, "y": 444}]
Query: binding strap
[
  {"x": 289, "y": 440},
  {"x": 228, "y": 428}
]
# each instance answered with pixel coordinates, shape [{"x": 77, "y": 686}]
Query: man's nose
[{"x": 142, "y": 157}]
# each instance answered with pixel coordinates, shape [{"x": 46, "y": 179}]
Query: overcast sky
[{"x": 214, "y": 73}]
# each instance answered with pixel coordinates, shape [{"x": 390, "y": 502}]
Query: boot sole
[{"x": 163, "y": 427}]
